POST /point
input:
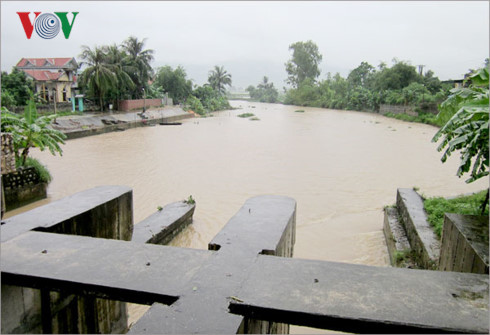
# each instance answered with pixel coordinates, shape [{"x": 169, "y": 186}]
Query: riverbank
[{"x": 76, "y": 126}]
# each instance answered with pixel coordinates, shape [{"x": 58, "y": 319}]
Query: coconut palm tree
[
  {"x": 218, "y": 78},
  {"x": 29, "y": 130},
  {"x": 139, "y": 60},
  {"x": 99, "y": 76},
  {"x": 122, "y": 69}
]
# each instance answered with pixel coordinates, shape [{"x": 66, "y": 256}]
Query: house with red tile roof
[{"x": 53, "y": 77}]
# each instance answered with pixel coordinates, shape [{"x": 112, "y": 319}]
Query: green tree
[
  {"x": 397, "y": 77},
  {"x": 99, "y": 77},
  {"x": 211, "y": 99},
  {"x": 433, "y": 84},
  {"x": 361, "y": 75},
  {"x": 304, "y": 63},
  {"x": 16, "y": 88},
  {"x": 218, "y": 78},
  {"x": 119, "y": 65},
  {"x": 467, "y": 128},
  {"x": 174, "y": 82},
  {"x": 30, "y": 130},
  {"x": 264, "y": 92},
  {"x": 139, "y": 60}
]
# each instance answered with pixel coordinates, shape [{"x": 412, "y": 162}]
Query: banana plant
[{"x": 30, "y": 130}]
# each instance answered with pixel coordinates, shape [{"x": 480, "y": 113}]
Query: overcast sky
[{"x": 251, "y": 39}]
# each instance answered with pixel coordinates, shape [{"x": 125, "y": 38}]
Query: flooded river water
[{"x": 342, "y": 167}]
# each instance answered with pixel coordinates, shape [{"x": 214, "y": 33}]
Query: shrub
[
  {"x": 41, "y": 170},
  {"x": 195, "y": 105},
  {"x": 436, "y": 207}
]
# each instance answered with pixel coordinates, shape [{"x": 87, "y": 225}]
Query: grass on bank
[
  {"x": 467, "y": 205},
  {"x": 426, "y": 118},
  {"x": 40, "y": 169}
]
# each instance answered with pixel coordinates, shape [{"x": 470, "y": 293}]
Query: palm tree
[
  {"x": 99, "y": 76},
  {"x": 139, "y": 60},
  {"x": 30, "y": 130},
  {"x": 218, "y": 78},
  {"x": 122, "y": 69}
]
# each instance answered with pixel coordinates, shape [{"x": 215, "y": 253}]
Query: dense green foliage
[
  {"x": 218, "y": 78},
  {"x": 99, "y": 77},
  {"x": 116, "y": 59},
  {"x": 41, "y": 170},
  {"x": 466, "y": 130},
  {"x": 173, "y": 82},
  {"x": 16, "y": 88},
  {"x": 195, "y": 105},
  {"x": 116, "y": 72},
  {"x": 139, "y": 60},
  {"x": 366, "y": 88},
  {"x": 436, "y": 208},
  {"x": 304, "y": 63},
  {"x": 30, "y": 130},
  {"x": 264, "y": 92},
  {"x": 205, "y": 99}
]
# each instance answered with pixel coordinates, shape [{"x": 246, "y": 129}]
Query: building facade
[{"x": 54, "y": 78}]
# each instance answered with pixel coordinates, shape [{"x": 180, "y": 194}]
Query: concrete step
[
  {"x": 162, "y": 226},
  {"x": 399, "y": 249},
  {"x": 424, "y": 242}
]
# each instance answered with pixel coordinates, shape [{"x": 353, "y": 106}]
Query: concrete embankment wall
[
  {"x": 104, "y": 212},
  {"x": 76, "y": 127},
  {"x": 396, "y": 109},
  {"x": 462, "y": 248}
]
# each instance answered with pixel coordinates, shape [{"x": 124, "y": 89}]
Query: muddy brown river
[{"x": 342, "y": 167}]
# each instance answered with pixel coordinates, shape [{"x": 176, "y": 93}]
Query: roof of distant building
[
  {"x": 43, "y": 75},
  {"x": 40, "y": 63}
]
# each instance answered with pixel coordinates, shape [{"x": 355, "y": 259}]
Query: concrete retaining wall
[
  {"x": 162, "y": 226},
  {"x": 395, "y": 235},
  {"x": 421, "y": 236},
  {"x": 100, "y": 212},
  {"x": 397, "y": 109},
  {"x": 88, "y": 126},
  {"x": 464, "y": 244},
  {"x": 22, "y": 187}
]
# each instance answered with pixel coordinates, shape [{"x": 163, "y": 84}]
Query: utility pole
[{"x": 421, "y": 69}]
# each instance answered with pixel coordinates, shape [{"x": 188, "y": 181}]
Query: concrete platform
[
  {"x": 91, "y": 203},
  {"x": 395, "y": 235},
  {"x": 146, "y": 273},
  {"x": 76, "y": 126},
  {"x": 162, "y": 226},
  {"x": 364, "y": 299},
  {"x": 421, "y": 236}
]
